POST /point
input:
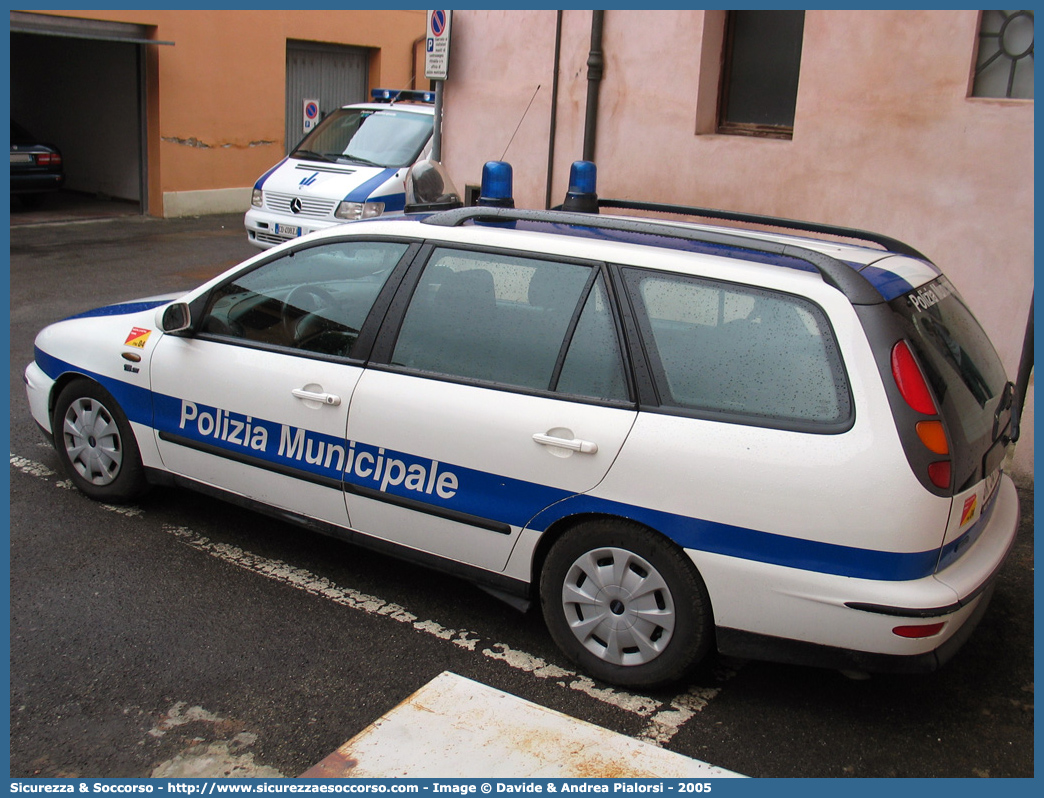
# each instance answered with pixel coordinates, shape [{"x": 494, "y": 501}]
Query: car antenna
[{"x": 520, "y": 121}]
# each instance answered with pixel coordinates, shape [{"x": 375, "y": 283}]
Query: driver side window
[{"x": 311, "y": 300}]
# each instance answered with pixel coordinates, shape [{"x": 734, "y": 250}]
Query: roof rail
[
  {"x": 845, "y": 279},
  {"x": 890, "y": 244}
]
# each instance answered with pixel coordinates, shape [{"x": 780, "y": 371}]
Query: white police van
[
  {"x": 675, "y": 437},
  {"x": 353, "y": 165}
]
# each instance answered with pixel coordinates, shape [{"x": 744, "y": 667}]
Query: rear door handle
[
  {"x": 574, "y": 444},
  {"x": 323, "y": 398}
]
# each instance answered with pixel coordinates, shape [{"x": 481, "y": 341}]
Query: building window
[
  {"x": 759, "y": 82},
  {"x": 1004, "y": 66}
]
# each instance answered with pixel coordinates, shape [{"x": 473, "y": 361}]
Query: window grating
[{"x": 1004, "y": 67}]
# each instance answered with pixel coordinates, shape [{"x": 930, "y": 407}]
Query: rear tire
[
  {"x": 626, "y": 604},
  {"x": 95, "y": 443}
]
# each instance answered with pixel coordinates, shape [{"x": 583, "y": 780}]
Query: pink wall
[{"x": 885, "y": 136}]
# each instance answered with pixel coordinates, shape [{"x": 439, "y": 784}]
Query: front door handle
[
  {"x": 311, "y": 396},
  {"x": 574, "y": 444}
]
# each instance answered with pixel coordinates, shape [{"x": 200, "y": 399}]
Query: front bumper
[
  {"x": 38, "y": 387},
  {"x": 264, "y": 228}
]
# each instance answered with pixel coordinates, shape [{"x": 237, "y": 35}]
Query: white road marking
[{"x": 665, "y": 719}]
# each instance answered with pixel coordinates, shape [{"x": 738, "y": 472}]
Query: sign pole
[
  {"x": 436, "y": 136},
  {"x": 436, "y": 68}
]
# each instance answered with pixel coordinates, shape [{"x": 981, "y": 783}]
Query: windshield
[{"x": 386, "y": 137}]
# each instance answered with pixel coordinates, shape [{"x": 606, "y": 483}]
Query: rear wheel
[
  {"x": 625, "y": 604},
  {"x": 95, "y": 443}
]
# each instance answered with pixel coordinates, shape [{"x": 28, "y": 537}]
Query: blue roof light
[
  {"x": 496, "y": 185},
  {"x": 581, "y": 196},
  {"x": 583, "y": 176},
  {"x": 402, "y": 95}
]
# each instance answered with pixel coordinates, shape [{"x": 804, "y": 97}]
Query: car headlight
[
  {"x": 257, "y": 198},
  {"x": 358, "y": 210}
]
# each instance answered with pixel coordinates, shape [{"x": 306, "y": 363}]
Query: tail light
[
  {"x": 915, "y": 392},
  {"x": 48, "y": 159},
  {"x": 915, "y": 632}
]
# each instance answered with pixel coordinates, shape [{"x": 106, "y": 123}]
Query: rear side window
[
  {"x": 740, "y": 353},
  {"x": 513, "y": 321}
]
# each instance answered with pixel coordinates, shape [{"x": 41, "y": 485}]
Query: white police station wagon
[
  {"x": 352, "y": 165},
  {"x": 675, "y": 437}
]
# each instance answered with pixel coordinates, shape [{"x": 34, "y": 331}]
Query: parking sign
[
  {"x": 311, "y": 114},
  {"x": 437, "y": 45}
]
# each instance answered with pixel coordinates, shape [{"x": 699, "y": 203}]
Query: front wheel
[
  {"x": 625, "y": 604},
  {"x": 95, "y": 443}
]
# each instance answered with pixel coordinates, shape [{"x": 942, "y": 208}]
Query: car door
[
  {"x": 503, "y": 391},
  {"x": 255, "y": 401}
]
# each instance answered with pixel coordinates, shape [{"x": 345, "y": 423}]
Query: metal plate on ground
[{"x": 457, "y": 728}]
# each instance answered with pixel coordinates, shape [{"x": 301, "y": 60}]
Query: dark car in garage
[{"x": 35, "y": 166}]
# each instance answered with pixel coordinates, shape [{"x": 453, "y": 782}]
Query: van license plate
[{"x": 287, "y": 230}]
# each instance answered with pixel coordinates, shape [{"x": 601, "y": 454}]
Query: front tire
[
  {"x": 95, "y": 443},
  {"x": 626, "y": 604}
]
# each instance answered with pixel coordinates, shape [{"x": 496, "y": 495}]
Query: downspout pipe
[
  {"x": 595, "y": 69},
  {"x": 1023, "y": 378},
  {"x": 554, "y": 111}
]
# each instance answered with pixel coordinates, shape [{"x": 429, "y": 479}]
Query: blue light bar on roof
[
  {"x": 402, "y": 95},
  {"x": 581, "y": 196},
  {"x": 497, "y": 185}
]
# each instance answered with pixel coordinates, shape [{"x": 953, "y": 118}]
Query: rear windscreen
[{"x": 961, "y": 365}]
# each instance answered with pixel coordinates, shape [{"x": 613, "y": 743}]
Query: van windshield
[
  {"x": 961, "y": 365},
  {"x": 387, "y": 137}
]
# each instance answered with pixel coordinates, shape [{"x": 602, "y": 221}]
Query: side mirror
[
  {"x": 176, "y": 318},
  {"x": 429, "y": 188}
]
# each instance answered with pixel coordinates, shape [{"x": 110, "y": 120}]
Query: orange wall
[{"x": 217, "y": 97}]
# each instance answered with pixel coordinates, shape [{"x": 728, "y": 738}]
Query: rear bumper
[
  {"x": 748, "y": 645},
  {"x": 788, "y": 615},
  {"x": 35, "y": 182}
]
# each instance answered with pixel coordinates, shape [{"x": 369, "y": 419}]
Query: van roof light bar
[
  {"x": 849, "y": 282},
  {"x": 402, "y": 95}
]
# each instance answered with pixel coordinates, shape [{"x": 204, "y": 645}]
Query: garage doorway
[
  {"x": 333, "y": 75},
  {"x": 79, "y": 84}
]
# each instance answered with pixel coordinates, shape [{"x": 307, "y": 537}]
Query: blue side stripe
[
  {"x": 392, "y": 202},
  {"x": 750, "y": 544},
  {"x": 261, "y": 180},
  {"x": 362, "y": 192},
  {"x": 136, "y": 401},
  {"x": 486, "y": 495},
  {"x": 120, "y": 310}
]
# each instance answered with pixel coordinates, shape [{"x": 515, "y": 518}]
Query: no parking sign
[
  {"x": 437, "y": 45},
  {"x": 311, "y": 114}
]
